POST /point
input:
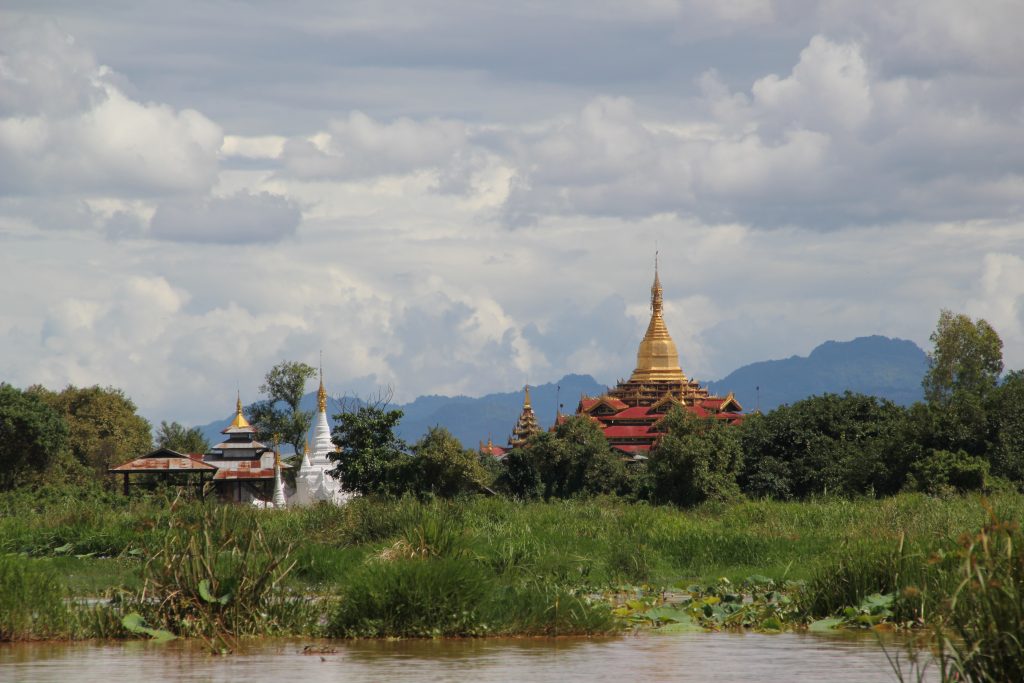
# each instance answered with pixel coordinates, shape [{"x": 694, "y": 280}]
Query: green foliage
[
  {"x": 219, "y": 579},
  {"x": 967, "y": 358},
  {"x": 986, "y": 611},
  {"x": 442, "y": 467},
  {"x": 278, "y": 415},
  {"x": 370, "y": 458},
  {"x": 944, "y": 472},
  {"x": 575, "y": 460},
  {"x": 843, "y": 445},
  {"x": 696, "y": 460},
  {"x": 1006, "y": 415},
  {"x": 32, "y": 435},
  {"x": 103, "y": 428},
  {"x": 177, "y": 437},
  {"x": 31, "y": 601}
]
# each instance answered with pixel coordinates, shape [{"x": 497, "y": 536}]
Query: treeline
[
  {"x": 967, "y": 435},
  {"x": 76, "y": 434}
]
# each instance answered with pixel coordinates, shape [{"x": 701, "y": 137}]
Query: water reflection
[{"x": 728, "y": 658}]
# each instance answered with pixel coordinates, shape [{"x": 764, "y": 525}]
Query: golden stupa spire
[
  {"x": 526, "y": 399},
  {"x": 321, "y": 394},
  {"x": 239, "y": 420},
  {"x": 657, "y": 359}
]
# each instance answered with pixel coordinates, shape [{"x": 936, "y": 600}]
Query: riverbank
[{"x": 472, "y": 567}]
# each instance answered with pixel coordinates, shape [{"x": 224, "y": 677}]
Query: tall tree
[
  {"x": 967, "y": 356},
  {"x": 32, "y": 435},
  {"x": 279, "y": 413},
  {"x": 182, "y": 439},
  {"x": 697, "y": 460},
  {"x": 574, "y": 460},
  {"x": 370, "y": 458},
  {"x": 103, "y": 427},
  {"x": 442, "y": 467}
]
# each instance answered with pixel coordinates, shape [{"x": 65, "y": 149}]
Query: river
[{"x": 720, "y": 657}]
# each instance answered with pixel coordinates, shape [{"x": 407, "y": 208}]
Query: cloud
[
  {"x": 361, "y": 147},
  {"x": 67, "y": 128},
  {"x": 241, "y": 218}
]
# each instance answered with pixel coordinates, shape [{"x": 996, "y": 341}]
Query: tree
[
  {"x": 32, "y": 435},
  {"x": 697, "y": 460},
  {"x": 575, "y": 460},
  {"x": 103, "y": 427},
  {"x": 179, "y": 438},
  {"x": 370, "y": 457},
  {"x": 279, "y": 415},
  {"x": 941, "y": 472},
  {"x": 847, "y": 445},
  {"x": 967, "y": 357},
  {"x": 1006, "y": 413},
  {"x": 442, "y": 467}
]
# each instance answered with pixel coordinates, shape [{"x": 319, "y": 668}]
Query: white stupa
[{"x": 312, "y": 481}]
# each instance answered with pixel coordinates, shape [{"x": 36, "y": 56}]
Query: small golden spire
[
  {"x": 526, "y": 399},
  {"x": 321, "y": 394},
  {"x": 239, "y": 420}
]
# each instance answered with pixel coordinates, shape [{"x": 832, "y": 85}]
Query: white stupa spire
[
  {"x": 279, "y": 500},
  {"x": 322, "y": 444}
]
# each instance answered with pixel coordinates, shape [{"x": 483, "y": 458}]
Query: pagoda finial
[
  {"x": 321, "y": 394},
  {"x": 239, "y": 420},
  {"x": 656, "y": 292},
  {"x": 526, "y": 398}
]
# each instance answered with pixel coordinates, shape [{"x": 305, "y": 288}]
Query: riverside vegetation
[{"x": 83, "y": 563}]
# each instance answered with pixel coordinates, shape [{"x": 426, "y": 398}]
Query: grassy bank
[{"x": 477, "y": 566}]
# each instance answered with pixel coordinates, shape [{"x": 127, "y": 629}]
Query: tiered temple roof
[
  {"x": 630, "y": 413},
  {"x": 527, "y": 425}
]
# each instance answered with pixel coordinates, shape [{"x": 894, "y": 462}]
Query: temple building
[
  {"x": 241, "y": 469},
  {"x": 246, "y": 468},
  {"x": 312, "y": 481},
  {"x": 630, "y": 413},
  {"x": 526, "y": 426}
]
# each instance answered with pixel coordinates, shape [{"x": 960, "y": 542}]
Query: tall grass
[
  {"x": 31, "y": 601},
  {"x": 535, "y": 560},
  {"x": 981, "y": 636}
]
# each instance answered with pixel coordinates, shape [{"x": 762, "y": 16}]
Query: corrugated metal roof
[{"x": 163, "y": 464}]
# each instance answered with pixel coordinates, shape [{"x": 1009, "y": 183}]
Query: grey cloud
[
  {"x": 360, "y": 146},
  {"x": 240, "y": 218}
]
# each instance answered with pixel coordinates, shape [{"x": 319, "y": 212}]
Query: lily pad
[
  {"x": 824, "y": 625},
  {"x": 136, "y": 624},
  {"x": 684, "y": 625}
]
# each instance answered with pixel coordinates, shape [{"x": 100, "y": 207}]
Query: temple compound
[
  {"x": 312, "y": 483},
  {"x": 242, "y": 469},
  {"x": 630, "y": 414}
]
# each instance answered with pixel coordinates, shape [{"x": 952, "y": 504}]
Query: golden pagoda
[
  {"x": 527, "y": 425},
  {"x": 629, "y": 414}
]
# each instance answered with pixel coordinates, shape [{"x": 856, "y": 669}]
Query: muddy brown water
[{"x": 720, "y": 657}]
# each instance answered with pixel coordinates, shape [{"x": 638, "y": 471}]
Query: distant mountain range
[{"x": 877, "y": 366}]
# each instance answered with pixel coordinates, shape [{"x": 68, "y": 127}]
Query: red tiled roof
[
  {"x": 633, "y": 413},
  {"x": 496, "y": 451},
  {"x": 620, "y": 431}
]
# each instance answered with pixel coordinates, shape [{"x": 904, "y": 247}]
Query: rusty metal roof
[
  {"x": 243, "y": 469},
  {"x": 164, "y": 464}
]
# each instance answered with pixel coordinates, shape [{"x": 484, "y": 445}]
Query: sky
[{"x": 450, "y": 197}]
